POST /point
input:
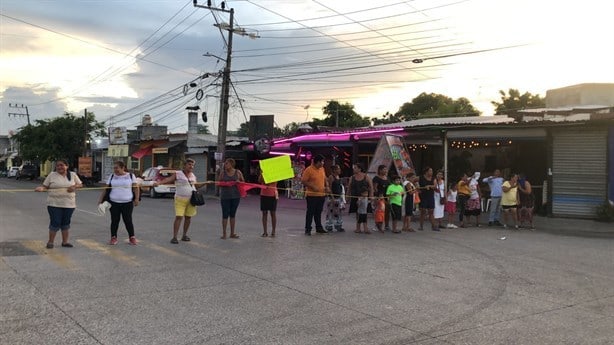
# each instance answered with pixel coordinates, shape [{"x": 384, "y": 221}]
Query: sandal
[
  {"x": 49, "y": 245},
  {"x": 266, "y": 235},
  {"x": 272, "y": 234},
  {"x": 185, "y": 238},
  {"x": 67, "y": 245},
  {"x": 234, "y": 236},
  {"x": 223, "y": 237},
  {"x": 174, "y": 241},
  {"x": 357, "y": 231}
]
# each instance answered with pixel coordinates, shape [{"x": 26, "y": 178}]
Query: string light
[{"x": 470, "y": 144}]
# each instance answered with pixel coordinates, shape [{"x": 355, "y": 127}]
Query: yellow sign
[
  {"x": 159, "y": 150},
  {"x": 276, "y": 169},
  {"x": 118, "y": 151}
]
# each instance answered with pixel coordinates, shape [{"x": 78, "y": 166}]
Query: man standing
[
  {"x": 494, "y": 182},
  {"x": 314, "y": 180}
]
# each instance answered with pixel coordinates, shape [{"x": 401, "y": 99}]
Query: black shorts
[
  {"x": 409, "y": 205},
  {"x": 395, "y": 212},
  {"x": 362, "y": 218},
  {"x": 268, "y": 203},
  {"x": 508, "y": 207}
]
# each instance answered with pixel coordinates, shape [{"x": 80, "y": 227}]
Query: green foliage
[
  {"x": 605, "y": 212},
  {"x": 427, "y": 105},
  {"x": 61, "y": 137},
  {"x": 514, "y": 101},
  {"x": 341, "y": 114},
  {"x": 387, "y": 118}
]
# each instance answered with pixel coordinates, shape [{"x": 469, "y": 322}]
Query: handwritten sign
[{"x": 276, "y": 169}]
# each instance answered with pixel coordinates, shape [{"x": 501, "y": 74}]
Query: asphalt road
[{"x": 469, "y": 286}]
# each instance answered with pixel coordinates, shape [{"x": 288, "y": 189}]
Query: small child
[
  {"x": 395, "y": 192},
  {"x": 410, "y": 190},
  {"x": 450, "y": 207},
  {"x": 362, "y": 206},
  {"x": 380, "y": 213}
]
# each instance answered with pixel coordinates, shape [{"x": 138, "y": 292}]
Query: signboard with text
[
  {"x": 118, "y": 150},
  {"x": 85, "y": 166}
]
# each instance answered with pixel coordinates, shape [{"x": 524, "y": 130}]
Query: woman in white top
[
  {"x": 184, "y": 185},
  {"x": 440, "y": 192},
  {"x": 123, "y": 194},
  {"x": 61, "y": 200}
]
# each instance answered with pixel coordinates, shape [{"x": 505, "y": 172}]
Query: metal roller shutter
[{"x": 579, "y": 172}]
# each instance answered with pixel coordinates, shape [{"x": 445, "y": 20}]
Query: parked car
[
  {"x": 29, "y": 171},
  {"x": 157, "y": 174},
  {"x": 13, "y": 171}
]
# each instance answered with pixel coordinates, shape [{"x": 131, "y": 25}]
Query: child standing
[
  {"x": 410, "y": 192},
  {"x": 380, "y": 213},
  {"x": 395, "y": 192},
  {"x": 362, "y": 205},
  {"x": 451, "y": 205}
]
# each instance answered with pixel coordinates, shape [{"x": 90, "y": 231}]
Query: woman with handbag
[
  {"x": 439, "y": 199},
  {"x": 184, "y": 210},
  {"x": 122, "y": 193}
]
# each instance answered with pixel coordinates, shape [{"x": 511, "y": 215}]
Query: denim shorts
[{"x": 59, "y": 218}]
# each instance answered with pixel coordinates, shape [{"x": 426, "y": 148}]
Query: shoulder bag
[{"x": 197, "y": 198}]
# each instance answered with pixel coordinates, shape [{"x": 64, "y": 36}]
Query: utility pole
[
  {"x": 15, "y": 106},
  {"x": 224, "y": 105},
  {"x": 85, "y": 133}
]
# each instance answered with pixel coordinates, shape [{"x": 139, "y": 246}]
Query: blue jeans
[
  {"x": 495, "y": 209},
  {"x": 59, "y": 218}
]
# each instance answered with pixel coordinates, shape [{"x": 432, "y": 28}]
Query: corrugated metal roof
[{"x": 441, "y": 121}]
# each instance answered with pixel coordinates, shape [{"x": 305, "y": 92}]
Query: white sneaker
[{"x": 453, "y": 226}]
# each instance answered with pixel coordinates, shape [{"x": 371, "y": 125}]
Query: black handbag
[{"x": 197, "y": 198}]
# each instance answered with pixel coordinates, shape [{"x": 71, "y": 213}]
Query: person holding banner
[
  {"x": 336, "y": 202},
  {"x": 427, "y": 197},
  {"x": 268, "y": 203},
  {"x": 184, "y": 211},
  {"x": 230, "y": 196},
  {"x": 60, "y": 186},
  {"x": 358, "y": 180},
  {"x": 314, "y": 179},
  {"x": 380, "y": 186},
  {"x": 123, "y": 193}
]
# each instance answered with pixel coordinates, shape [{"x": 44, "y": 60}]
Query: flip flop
[
  {"x": 223, "y": 237},
  {"x": 185, "y": 238},
  {"x": 272, "y": 234},
  {"x": 265, "y": 235},
  {"x": 234, "y": 236}
]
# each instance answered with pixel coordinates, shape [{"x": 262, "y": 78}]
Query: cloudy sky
[{"x": 123, "y": 59}]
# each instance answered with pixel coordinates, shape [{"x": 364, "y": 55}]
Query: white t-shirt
[
  {"x": 57, "y": 195},
  {"x": 182, "y": 184},
  {"x": 452, "y": 195},
  {"x": 121, "y": 191}
]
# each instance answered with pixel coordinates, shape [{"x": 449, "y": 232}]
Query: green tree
[
  {"x": 387, "y": 118},
  {"x": 513, "y": 101},
  {"x": 61, "y": 137},
  {"x": 341, "y": 114},
  {"x": 427, "y": 105}
]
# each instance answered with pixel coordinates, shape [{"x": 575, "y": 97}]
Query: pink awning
[{"x": 142, "y": 152}]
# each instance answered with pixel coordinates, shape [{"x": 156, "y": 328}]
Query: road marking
[
  {"x": 112, "y": 252},
  {"x": 56, "y": 256},
  {"x": 204, "y": 246},
  {"x": 168, "y": 251}
]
